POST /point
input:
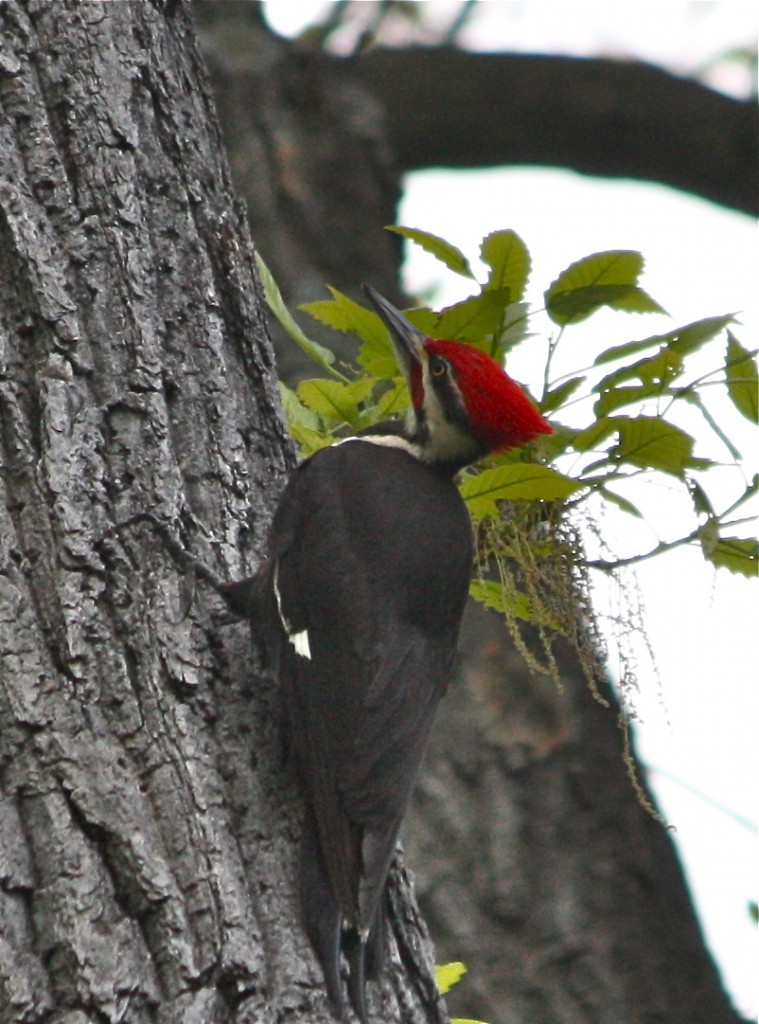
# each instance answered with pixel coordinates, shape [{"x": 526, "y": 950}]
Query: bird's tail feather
[
  {"x": 322, "y": 918},
  {"x": 331, "y": 938},
  {"x": 365, "y": 958},
  {"x": 354, "y": 947}
]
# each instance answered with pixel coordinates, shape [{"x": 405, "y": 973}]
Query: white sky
[{"x": 699, "y": 716}]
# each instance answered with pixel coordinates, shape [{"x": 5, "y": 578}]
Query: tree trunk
[{"x": 147, "y": 819}]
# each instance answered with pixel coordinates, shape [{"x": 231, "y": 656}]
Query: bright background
[{"x": 696, "y": 700}]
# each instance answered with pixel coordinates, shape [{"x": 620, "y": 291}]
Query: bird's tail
[
  {"x": 322, "y": 918},
  {"x": 331, "y": 938},
  {"x": 365, "y": 958}
]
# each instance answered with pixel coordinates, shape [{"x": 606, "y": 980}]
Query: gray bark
[{"x": 147, "y": 817}]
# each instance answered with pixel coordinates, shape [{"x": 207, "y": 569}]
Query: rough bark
[
  {"x": 450, "y": 108},
  {"x": 147, "y": 816}
]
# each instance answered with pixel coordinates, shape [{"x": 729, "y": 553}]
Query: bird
[{"x": 369, "y": 562}]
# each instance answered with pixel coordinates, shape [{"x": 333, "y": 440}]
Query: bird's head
[{"x": 464, "y": 406}]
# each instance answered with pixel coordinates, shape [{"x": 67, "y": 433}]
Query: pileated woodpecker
[{"x": 370, "y": 563}]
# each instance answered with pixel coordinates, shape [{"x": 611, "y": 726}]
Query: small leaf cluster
[
  {"x": 448, "y": 975},
  {"x": 627, "y": 402}
]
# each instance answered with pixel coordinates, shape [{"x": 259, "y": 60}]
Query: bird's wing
[
  {"x": 361, "y": 683},
  {"x": 360, "y": 716}
]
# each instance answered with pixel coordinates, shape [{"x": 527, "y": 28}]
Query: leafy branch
[{"x": 614, "y": 420}]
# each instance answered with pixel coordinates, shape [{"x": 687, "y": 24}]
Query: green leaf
[
  {"x": 475, "y": 319},
  {"x": 738, "y": 554},
  {"x": 592, "y": 436},
  {"x": 620, "y": 502},
  {"x": 556, "y": 444},
  {"x": 304, "y": 424},
  {"x": 513, "y": 330},
  {"x": 742, "y": 379},
  {"x": 694, "y": 336},
  {"x": 685, "y": 339},
  {"x": 656, "y": 372},
  {"x": 616, "y": 398},
  {"x": 652, "y": 443},
  {"x": 490, "y": 593},
  {"x": 616, "y": 266},
  {"x": 377, "y": 357},
  {"x": 448, "y": 254},
  {"x": 393, "y": 402},
  {"x": 465, "y": 1020},
  {"x": 520, "y": 481},
  {"x": 308, "y": 440},
  {"x": 559, "y": 395},
  {"x": 571, "y": 307},
  {"x": 448, "y": 975},
  {"x": 603, "y": 279},
  {"x": 509, "y": 261},
  {"x": 341, "y": 313},
  {"x": 296, "y": 411},
  {"x": 701, "y": 501},
  {"x": 424, "y": 319},
  {"x": 321, "y": 355},
  {"x": 493, "y": 594},
  {"x": 334, "y": 400},
  {"x": 629, "y": 348}
]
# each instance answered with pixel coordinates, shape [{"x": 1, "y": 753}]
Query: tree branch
[{"x": 447, "y": 107}]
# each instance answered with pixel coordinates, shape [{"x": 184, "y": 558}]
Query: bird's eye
[{"x": 438, "y": 367}]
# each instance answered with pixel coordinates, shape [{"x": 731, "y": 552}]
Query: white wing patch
[
  {"x": 300, "y": 643},
  {"x": 298, "y": 640}
]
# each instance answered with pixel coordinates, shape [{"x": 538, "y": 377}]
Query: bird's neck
[{"x": 448, "y": 451}]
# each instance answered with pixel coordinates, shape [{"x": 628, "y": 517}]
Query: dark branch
[{"x": 450, "y": 108}]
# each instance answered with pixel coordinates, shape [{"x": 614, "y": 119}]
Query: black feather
[
  {"x": 372, "y": 550},
  {"x": 322, "y": 918},
  {"x": 355, "y": 953}
]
